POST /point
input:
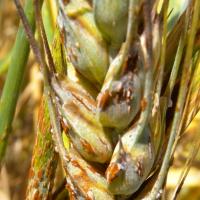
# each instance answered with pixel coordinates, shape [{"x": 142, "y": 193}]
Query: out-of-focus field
[
  {"x": 14, "y": 174},
  {"x": 191, "y": 187}
]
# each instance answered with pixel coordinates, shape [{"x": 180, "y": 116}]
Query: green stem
[
  {"x": 14, "y": 80},
  {"x": 4, "y": 63}
]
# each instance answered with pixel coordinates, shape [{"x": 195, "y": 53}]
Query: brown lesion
[
  {"x": 143, "y": 104},
  {"x": 64, "y": 126},
  {"x": 103, "y": 99},
  {"x": 112, "y": 172},
  {"x": 120, "y": 91},
  {"x": 87, "y": 147},
  {"x": 139, "y": 168}
]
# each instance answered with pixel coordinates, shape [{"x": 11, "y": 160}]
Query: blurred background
[{"x": 14, "y": 174}]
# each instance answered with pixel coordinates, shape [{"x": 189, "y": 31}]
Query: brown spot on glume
[
  {"x": 76, "y": 164},
  {"x": 139, "y": 168},
  {"x": 112, "y": 172},
  {"x": 87, "y": 146},
  {"x": 103, "y": 99},
  {"x": 64, "y": 126},
  {"x": 143, "y": 104}
]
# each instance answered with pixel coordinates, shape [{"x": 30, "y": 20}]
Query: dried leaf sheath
[{"x": 44, "y": 160}]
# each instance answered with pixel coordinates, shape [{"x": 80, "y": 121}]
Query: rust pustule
[
  {"x": 36, "y": 183},
  {"x": 40, "y": 174},
  {"x": 143, "y": 104},
  {"x": 31, "y": 173}
]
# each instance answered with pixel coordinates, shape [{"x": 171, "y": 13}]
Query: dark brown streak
[
  {"x": 76, "y": 110},
  {"x": 82, "y": 102}
]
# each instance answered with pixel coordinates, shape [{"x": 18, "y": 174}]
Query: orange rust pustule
[
  {"x": 31, "y": 173},
  {"x": 40, "y": 174},
  {"x": 35, "y": 183},
  {"x": 112, "y": 172},
  {"x": 42, "y": 123},
  {"x": 143, "y": 104},
  {"x": 76, "y": 164}
]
